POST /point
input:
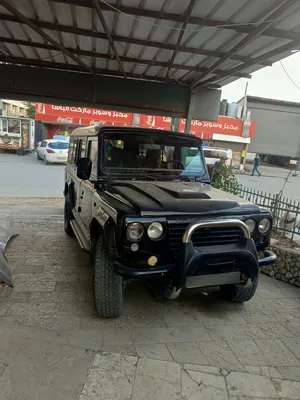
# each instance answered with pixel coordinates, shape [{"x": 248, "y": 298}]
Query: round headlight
[
  {"x": 135, "y": 231},
  {"x": 155, "y": 230},
  {"x": 251, "y": 225},
  {"x": 264, "y": 225}
]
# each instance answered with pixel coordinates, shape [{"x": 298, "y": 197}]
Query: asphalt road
[
  {"x": 273, "y": 180},
  {"x": 28, "y": 177}
]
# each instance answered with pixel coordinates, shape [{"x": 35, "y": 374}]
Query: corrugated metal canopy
[{"x": 193, "y": 43}]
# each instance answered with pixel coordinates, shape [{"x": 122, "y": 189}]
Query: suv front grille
[{"x": 202, "y": 237}]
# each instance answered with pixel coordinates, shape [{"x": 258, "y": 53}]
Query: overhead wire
[
  {"x": 190, "y": 30},
  {"x": 288, "y": 75}
]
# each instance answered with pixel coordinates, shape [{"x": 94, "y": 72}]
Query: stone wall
[{"x": 287, "y": 267}]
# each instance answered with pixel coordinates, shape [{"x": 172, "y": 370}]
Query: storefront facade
[{"x": 62, "y": 120}]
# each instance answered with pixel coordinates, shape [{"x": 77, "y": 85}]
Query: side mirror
[{"x": 84, "y": 168}]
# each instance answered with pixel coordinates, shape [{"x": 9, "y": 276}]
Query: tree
[
  {"x": 224, "y": 179},
  {"x": 30, "y": 110}
]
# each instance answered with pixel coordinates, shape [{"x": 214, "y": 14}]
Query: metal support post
[{"x": 189, "y": 118}]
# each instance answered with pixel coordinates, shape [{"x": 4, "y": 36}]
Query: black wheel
[
  {"x": 68, "y": 216},
  {"x": 21, "y": 152},
  {"x": 237, "y": 293},
  {"x": 108, "y": 286},
  {"x": 45, "y": 161},
  {"x": 37, "y": 156}
]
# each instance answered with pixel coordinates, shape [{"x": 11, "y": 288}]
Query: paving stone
[
  {"x": 240, "y": 384},
  {"x": 116, "y": 362},
  {"x": 158, "y": 369},
  {"x": 290, "y": 390},
  {"x": 75, "y": 309},
  {"x": 197, "y": 385},
  {"x": 125, "y": 349},
  {"x": 248, "y": 352},
  {"x": 203, "y": 368},
  {"x": 294, "y": 327},
  {"x": 187, "y": 353},
  {"x": 28, "y": 269},
  {"x": 45, "y": 321},
  {"x": 294, "y": 345},
  {"x": 290, "y": 373},
  {"x": 220, "y": 317},
  {"x": 31, "y": 309},
  {"x": 55, "y": 297},
  {"x": 170, "y": 335},
  {"x": 5, "y": 292},
  {"x": 43, "y": 370},
  {"x": 248, "y": 331},
  {"x": 36, "y": 287},
  {"x": 277, "y": 353},
  {"x": 4, "y": 306},
  {"x": 147, "y": 387},
  {"x": 155, "y": 351},
  {"x": 107, "y": 385},
  {"x": 219, "y": 354},
  {"x": 73, "y": 287}
]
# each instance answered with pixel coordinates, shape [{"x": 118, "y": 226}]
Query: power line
[
  {"x": 288, "y": 75},
  {"x": 190, "y": 30}
]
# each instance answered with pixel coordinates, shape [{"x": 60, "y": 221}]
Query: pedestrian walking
[{"x": 256, "y": 165}]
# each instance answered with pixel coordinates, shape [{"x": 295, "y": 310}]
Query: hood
[{"x": 178, "y": 197}]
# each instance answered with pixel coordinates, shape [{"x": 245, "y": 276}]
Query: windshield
[
  {"x": 58, "y": 145},
  {"x": 155, "y": 155}
]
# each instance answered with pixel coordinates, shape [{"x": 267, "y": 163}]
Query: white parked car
[
  {"x": 53, "y": 151},
  {"x": 213, "y": 154}
]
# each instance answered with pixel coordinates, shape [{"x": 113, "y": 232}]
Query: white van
[{"x": 213, "y": 154}]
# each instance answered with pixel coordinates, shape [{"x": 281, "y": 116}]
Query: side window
[
  {"x": 83, "y": 148},
  {"x": 93, "y": 155},
  {"x": 44, "y": 144},
  {"x": 71, "y": 149}
]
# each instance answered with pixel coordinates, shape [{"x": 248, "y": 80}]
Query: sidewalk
[{"x": 197, "y": 347}]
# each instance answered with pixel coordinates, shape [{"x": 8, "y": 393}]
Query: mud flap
[{"x": 5, "y": 271}]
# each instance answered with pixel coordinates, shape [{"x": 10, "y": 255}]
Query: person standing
[{"x": 256, "y": 165}]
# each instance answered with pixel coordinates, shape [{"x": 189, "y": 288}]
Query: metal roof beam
[
  {"x": 187, "y": 15},
  {"x": 272, "y": 32},
  {"x": 256, "y": 60},
  {"x": 108, "y": 34},
  {"x": 280, "y": 8},
  {"x": 124, "y": 39},
  {"x": 37, "y": 29},
  {"x": 106, "y": 56},
  {"x": 69, "y": 67}
]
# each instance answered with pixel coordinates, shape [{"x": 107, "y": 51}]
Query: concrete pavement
[{"x": 52, "y": 345}]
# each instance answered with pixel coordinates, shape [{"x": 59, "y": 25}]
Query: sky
[{"x": 270, "y": 82}]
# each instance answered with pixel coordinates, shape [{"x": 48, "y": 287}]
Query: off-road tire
[
  {"x": 68, "y": 216},
  {"x": 108, "y": 286},
  {"x": 239, "y": 294},
  {"x": 38, "y": 157}
]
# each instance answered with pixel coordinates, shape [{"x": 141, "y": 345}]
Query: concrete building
[
  {"x": 13, "y": 108},
  {"x": 277, "y": 134}
]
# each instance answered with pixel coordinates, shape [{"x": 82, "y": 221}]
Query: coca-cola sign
[{"x": 64, "y": 120}]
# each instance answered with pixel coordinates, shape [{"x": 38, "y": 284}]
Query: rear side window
[
  {"x": 58, "y": 145},
  {"x": 73, "y": 151},
  {"x": 82, "y": 148},
  {"x": 93, "y": 155},
  {"x": 214, "y": 153}
]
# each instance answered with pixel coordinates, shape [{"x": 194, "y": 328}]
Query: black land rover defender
[{"x": 140, "y": 201}]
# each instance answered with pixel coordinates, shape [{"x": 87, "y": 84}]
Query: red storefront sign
[
  {"x": 224, "y": 126},
  {"x": 64, "y": 115},
  {"x": 80, "y": 115}
]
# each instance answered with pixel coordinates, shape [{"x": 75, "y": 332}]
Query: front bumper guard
[{"x": 191, "y": 259}]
